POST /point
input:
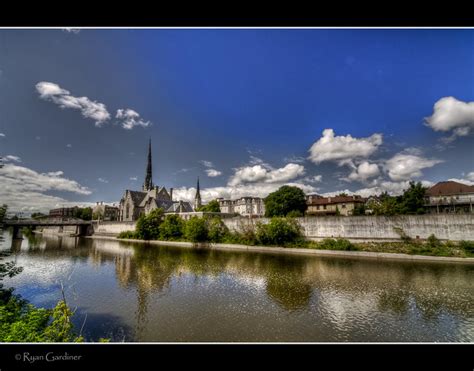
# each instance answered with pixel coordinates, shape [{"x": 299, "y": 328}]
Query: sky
[{"x": 360, "y": 111}]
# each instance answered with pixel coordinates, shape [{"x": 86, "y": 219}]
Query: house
[
  {"x": 245, "y": 206},
  {"x": 449, "y": 197},
  {"x": 337, "y": 205},
  {"x": 106, "y": 212},
  {"x": 63, "y": 212}
]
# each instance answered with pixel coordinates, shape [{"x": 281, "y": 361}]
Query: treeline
[{"x": 155, "y": 226}]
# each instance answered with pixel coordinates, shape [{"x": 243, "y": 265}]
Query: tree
[
  {"x": 37, "y": 215},
  {"x": 285, "y": 200},
  {"x": 148, "y": 226},
  {"x": 172, "y": 227},
  {"x": 279, "y": 231},
  {"x": 217, "y": 230},
  {"x": 196, "y": 230},
  {"x": 359, "y": 210},
  {"x": 413, "y": 199},
  {"x": 211, "y": 207}
]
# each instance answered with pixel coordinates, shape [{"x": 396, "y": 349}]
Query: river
[{"x": 140, "y": 293}]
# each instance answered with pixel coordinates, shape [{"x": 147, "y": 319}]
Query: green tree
[
  {"x": 211, "y": 207},
  {"x": 172, "y": 227},
  {"x": 196, "y": 230},
  {"x": 148, "y": 226},
  {"x": 279, "y": 231},
  {"x": 413, "y": 199},
  {"x": 37, "y": 215},
  {"x": 285, "y": 200},
  {"x": 217, "y": 230},
  {"x": 359, "y": 210}
]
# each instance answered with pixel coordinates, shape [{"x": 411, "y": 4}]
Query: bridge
[{"x": 81, "y": 225}]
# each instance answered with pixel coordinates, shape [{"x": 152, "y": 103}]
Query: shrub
[
  {"x": 217, "y": 230},
  {"x": 403, "y": 236},
  {"x": 127, "y": 234},
  {"x": 148, "y": 226},
  {"x": 196, "y": 230},
  {"x": 172, "y": 227},
  {"x": 433, "y": 242},
  {"x": 279, "y": 231},
  {"x": 467, "y": 246},
  {"x": 337, "y": 244},
  {"x": 294, "y": 214}
]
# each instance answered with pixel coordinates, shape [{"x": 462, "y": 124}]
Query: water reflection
[{"x": 168, "y": 293}]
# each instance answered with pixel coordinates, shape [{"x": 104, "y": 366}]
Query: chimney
[{"x": 171, "y": 194}]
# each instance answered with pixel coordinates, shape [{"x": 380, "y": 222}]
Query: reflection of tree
[{"x": 396, "y": 301}]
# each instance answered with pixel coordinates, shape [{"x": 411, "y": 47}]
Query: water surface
[{"x": 135, "y": 292}]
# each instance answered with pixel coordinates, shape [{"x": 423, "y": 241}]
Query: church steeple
[
  {"x": 197, "y": 198},
  {"x": 148, "y": 184}
]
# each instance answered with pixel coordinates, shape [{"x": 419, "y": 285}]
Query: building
[
  {"x": 449, "y": 197},
  {"x": 197, "y": 198},
  {"x": 63, "y": 212},
  {"x": 245, "y": 206},
  {"x": 135, "y": 203},
  {"x": 342, "y": 205},
  {"x": 106, "y": 212}
]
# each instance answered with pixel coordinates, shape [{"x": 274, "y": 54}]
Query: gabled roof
[
  {"x": 449, "y": 188},
  {"x": 137, "y": 196}
]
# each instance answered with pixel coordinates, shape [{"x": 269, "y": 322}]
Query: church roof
[
  {"x": 180, "y": 206},
  {"x": 137, "y": 197}
]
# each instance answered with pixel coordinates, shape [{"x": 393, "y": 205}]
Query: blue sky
[{"x": 243, "y": 109}]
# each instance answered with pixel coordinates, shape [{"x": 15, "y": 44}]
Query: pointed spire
[
  {"x": 197, "y": 198},
  {"x": 148, "y": 184}
]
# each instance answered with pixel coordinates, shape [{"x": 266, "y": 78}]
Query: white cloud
[
  {"x": 464, "y": 181},
  {"x": 295, "y": 159},
  {"x": 102, "y": 180},
  {"x": 363, "y": 172},
  {"x": 69, "y": 145},
  {"x": 2, "y": 135},
  {"x": 470, "y": 176},
  {"x": 207, "y": 163},
  {"x": 451, "y": 114},
  {"x": 313, "y": 179},
  {"x": 393, "y": 188},
  {"x": 37, "y": 137},
  {"x": 260, "y": 173},
  {"x": 134, "y": 178},
  {"x": 404, "y": 165},
  {"x": 23, "y": 187},
  {"x": 62, "y": 97},
  {"x": 11, "y": 158},
  {"x": 130, "y": 119},
  {"x": 213, "y": 173},
  {"x": 343, "y": 149}
]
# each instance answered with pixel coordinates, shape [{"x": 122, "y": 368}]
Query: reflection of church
[{"x": 135, "y": 203}]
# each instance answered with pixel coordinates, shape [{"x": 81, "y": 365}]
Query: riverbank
[{"x": 299, "y": 251}]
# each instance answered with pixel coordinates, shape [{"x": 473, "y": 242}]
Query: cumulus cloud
[
  {"x": 23, "y": 187},
  {"x": 464, "y": 181},
  {"x": 451, "y": 114},
  {"x": 11, "y": 158},
  {"x": 261, "y": 173},
  {"x": 392, "y": 188},
  {"x": 130, "y": 119},
  {"x": 470, "y": 176},
  {"x": 62, "y": 97},
  {"x": 406, "y": 165},
  {"x": 363, "y": 172},
  {"x": 213, "y": 173},
  {"x": 343, "y": 149}
]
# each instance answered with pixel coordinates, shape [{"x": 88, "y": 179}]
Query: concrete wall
[
  {"x": 445, "y": 227},
  {"x": 112, "y": 228}
]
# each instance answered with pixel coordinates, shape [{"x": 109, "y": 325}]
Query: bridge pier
[{"x": 17, "y": 235}]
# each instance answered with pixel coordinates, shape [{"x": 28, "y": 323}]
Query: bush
[
  {"x": 337, "y": 244},
  {"x": 172, "y": 227},
  {"x": 196, "y": 230},
  {"x": 217, "y": 230},
  {"x": 294, "y": 214},
  {"x": 279, "y": 231},
  {"x": 433, "y": 242},
  {"x": 467, "y": 246},
  {"x": 148, "y": 226},
  {"x": 127, "y": 234}
]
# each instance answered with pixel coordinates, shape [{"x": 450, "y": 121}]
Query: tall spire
[
  {"x": 148, "y": 184},
  {"x": 197, "y": 198}
]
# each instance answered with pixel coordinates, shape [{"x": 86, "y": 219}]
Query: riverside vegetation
[{"x": 279, "y": 231}]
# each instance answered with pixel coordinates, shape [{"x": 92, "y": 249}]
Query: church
[{"x": 135, "y": 203}]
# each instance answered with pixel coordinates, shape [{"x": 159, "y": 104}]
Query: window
[
  {"x": 317, "y": 207},
  {"x": 126, "y": 212},
  {"x": 343, "y": 206},
  {"x": 324, "y": 207}
]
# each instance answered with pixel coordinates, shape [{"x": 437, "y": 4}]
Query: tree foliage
[
  {"x": 211, "y": 207},
  {"x": 279, "y": 231},
  {"x": 285, "y": 200},
  {"x": 172, "y": 227},
  {"x": 148, "y": 226},
  {"x": 196, "y": 230}
]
